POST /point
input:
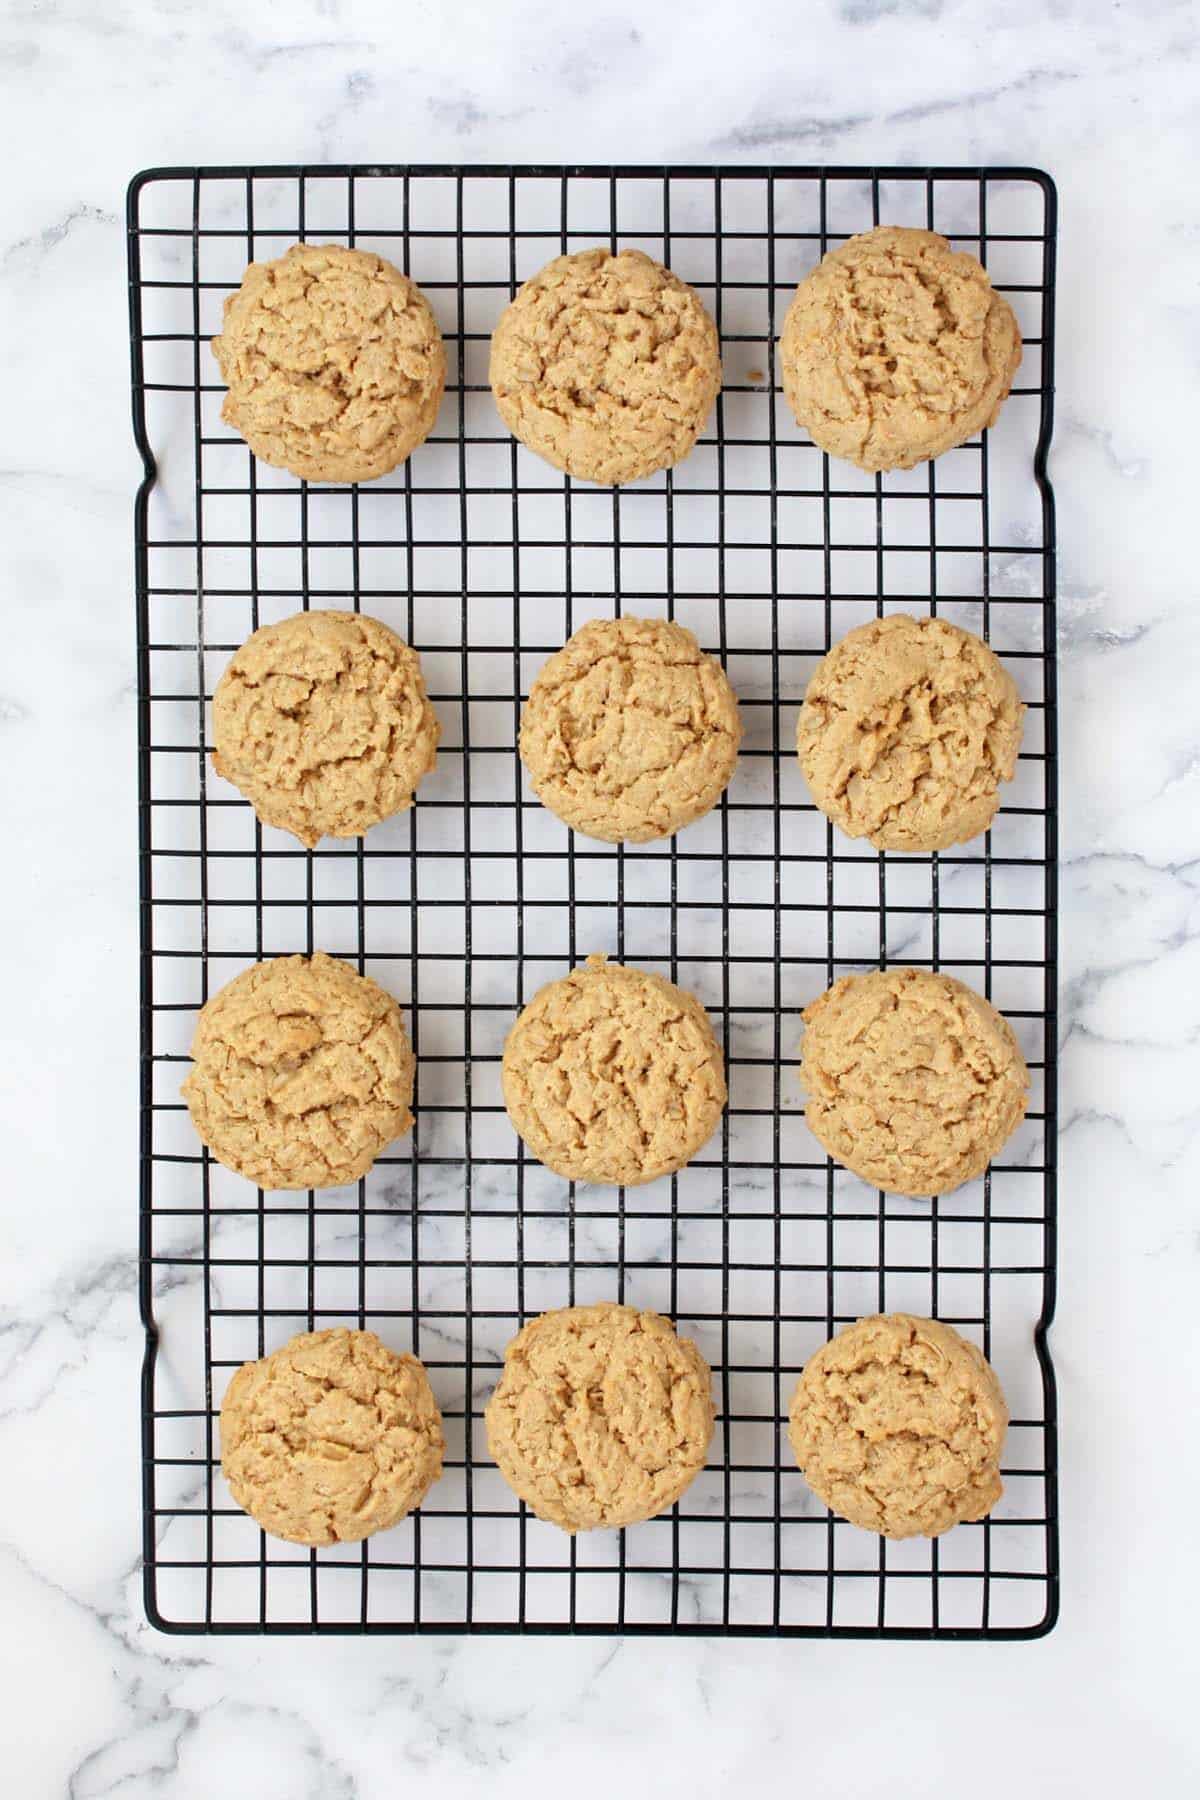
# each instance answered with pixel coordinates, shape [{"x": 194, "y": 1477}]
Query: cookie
[
  {"x": 323, "y": 723},
  {"x": 331, "y": 1438},
  {"x": 607, "y": 365},
  {"x": 613, "y": 1075},
  {"x": 897, "y": 1424},
  {"x": 908, "y": 728},
  {"x": 630, "y": 731},
  {"x": 334, "y": 363},
  {"x": 601, "y": 1417},
  {"x": 301, "y": 1073},
  {"x": 896, "y": 348},
  {"x": 914, "y": 1082}
]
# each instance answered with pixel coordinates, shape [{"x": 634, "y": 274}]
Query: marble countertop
[{"x": 1105, "y": 98}]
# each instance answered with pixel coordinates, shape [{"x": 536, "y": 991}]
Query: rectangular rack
[{"x": 486, "y": 559}]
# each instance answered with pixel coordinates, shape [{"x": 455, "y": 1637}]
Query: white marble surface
[{"x": 95, "y": 1703}]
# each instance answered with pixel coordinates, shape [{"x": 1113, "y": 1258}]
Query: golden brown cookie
[
  {"x": 607, "y": 365},
  {"x": 898, "y": 1424},
  {"x": 907, "y": 730},
  {"x": 613, "y": 1075},
  {"x": 630, "y": 731},
  {"x": 601, "y": 1417},
  {"x": 323, "y": 723},
  {"x": 331, "y": 1438},
  {"x": 914, "y": 1082},
  {"x": 301, "y": 1073},
  {"x": 896, "y": 348},
  {"x": 333, "y": 361}
]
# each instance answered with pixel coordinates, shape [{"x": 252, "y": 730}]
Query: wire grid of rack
[{"x": 486, "y": 559}]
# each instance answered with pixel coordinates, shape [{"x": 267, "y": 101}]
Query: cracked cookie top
[
  {"x": 908, "y": 728},
  {"x": 630, "y": 731},
  {"x": 613, "y": 1075},
  {"x": 323, "y": 723},
  {"x": 607, "y": 365},
  {"x": 897, "y": 1424},
  {"x": 331, "y": 1438},
  {"x": 896, "y": 348},
  {"x": 301, "y": 1073},
  {"x": 914, "y": 1081},
  {"x": 602, "y": 1416},
  {"x": 334, "y": 363}
]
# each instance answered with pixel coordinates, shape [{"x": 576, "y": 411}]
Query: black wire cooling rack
[{"x": 486, "y": 559}]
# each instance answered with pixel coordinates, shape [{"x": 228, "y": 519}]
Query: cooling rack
[{"x": 486, "y": 559}]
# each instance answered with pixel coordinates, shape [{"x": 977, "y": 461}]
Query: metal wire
[{"x": 485, "y": 559}]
